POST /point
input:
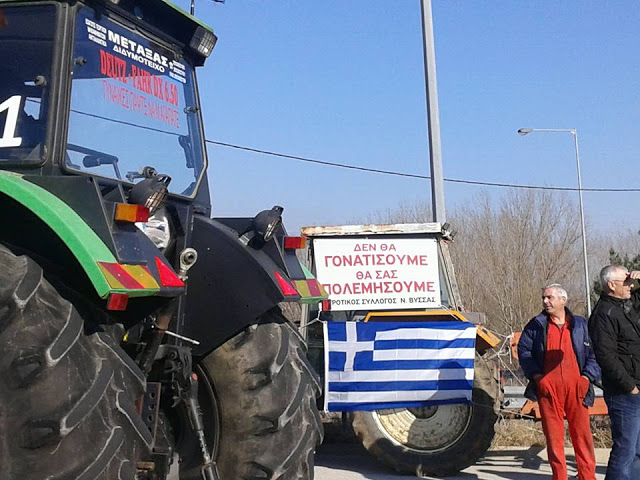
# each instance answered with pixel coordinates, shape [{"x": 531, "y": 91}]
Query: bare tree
[
  {"x": 507, "y": 249},
  {"x": 625, "y": 241},
  {"x": 407, "y": 212},
  {"x": 505, "y": 253}
]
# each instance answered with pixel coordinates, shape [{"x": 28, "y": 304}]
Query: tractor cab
[
  {"x": 89, "y": 92},
  {"x": 99, "y": 109}
]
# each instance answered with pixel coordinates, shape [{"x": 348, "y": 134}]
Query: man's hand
[
  {"x": 635, "y": 390},
  {"x": 635, "y": 274}
]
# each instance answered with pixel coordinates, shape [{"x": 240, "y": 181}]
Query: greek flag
[{"x": 376, "y": 365}]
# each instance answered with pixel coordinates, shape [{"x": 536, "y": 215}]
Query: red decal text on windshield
[
  {"x": 141, "y": 79},
  {"x": 140, "y": 103},
  {"x": 113, "y": 67}
]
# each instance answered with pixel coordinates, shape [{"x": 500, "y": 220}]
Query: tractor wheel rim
[{"x": 424, "y": 429}]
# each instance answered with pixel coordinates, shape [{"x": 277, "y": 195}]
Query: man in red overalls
[{"x": 556, "y": 356}]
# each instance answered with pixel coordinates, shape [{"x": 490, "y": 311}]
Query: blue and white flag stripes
[{"x": 376, "y": 365}]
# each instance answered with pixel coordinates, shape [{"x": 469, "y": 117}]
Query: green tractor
[{"x": 141, "y": 339}]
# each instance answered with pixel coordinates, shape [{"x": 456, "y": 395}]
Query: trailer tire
[
  {"x": 266, "y": 393},
  {"x": 434, "y": 441},
  {"x": 66, "y": 398}
]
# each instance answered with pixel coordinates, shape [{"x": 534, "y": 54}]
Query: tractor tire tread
[
  {"x": 267, "y": 392},
  {"x": 61, "y": 391}
]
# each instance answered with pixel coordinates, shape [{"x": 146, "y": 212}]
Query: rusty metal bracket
[{"x": 485, "y": 339}]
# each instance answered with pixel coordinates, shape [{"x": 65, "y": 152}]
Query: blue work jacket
[{"x": 533, "y": 345}]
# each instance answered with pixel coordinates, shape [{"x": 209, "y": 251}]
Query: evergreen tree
[{"x": 615, "y": 258}]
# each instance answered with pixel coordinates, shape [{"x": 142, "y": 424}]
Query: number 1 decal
[{"x": 8, "y": 138}]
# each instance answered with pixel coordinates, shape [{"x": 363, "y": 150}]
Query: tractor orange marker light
[
  {"x": 295, "y": 243},
  {"x": 126, "y": 212}
]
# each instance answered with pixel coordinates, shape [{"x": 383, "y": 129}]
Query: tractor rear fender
[
  {"x": 44, "y": 225},
  {"x": 32, "y": 209},
  {"x": 231, "y": 285}
]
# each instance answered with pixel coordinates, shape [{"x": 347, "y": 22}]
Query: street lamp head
[{"x": 524, "y": 131}]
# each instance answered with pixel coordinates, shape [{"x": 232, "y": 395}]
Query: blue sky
[{"x": 343, "y": 81}]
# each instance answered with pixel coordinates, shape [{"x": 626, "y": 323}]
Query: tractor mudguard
[
  {"x": 48, "y": 225},
  {"x": 229, "y": 287},
  {"x": 82, "y": 241}
]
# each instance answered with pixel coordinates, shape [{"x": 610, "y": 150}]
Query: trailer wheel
[
  {"x": 66, "y": 399},
  {"x": 265, "y": 392},
  {"x": 438, "y": 441}
]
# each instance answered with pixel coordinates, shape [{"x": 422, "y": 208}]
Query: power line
[
  {"x": 363, "y": 169},
  {"x": 319, "y": 162},
  {"x": 123, "y": 122},
  {"x": 412, "y": 175}
]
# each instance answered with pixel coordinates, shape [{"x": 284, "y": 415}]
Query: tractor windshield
[
  {"x": 133, "y": 104},
  {"x": 26, "y": 50}
]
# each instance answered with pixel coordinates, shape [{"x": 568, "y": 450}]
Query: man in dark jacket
[
  {"x": 615, "y": 329},
  {"x": 556, "y": 356}
]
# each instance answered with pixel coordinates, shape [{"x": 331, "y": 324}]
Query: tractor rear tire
[
  {"x": 266, "y": 396},
  {"x": 67, "y": 408},
  {"x": 434, "y": 441}
]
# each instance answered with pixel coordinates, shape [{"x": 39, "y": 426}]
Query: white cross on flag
[{"x": 376, "y": 365}]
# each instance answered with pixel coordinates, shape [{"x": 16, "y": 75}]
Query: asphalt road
[{"x": 349, "y": 461}]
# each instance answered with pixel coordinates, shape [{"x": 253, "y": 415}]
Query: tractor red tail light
[
  {"x": 117, "y": 301},
  {"x": 126, "y": 212},
  {"x": 168, "y": 277},
  {"x": 326, "y": 305},
  {"x": 287, "y": 289},
  {"x": 295, "y": 243}
]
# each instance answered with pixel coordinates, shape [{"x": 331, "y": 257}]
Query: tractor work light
[
  {"x": 150, "y": 192},
  {"x": 267, "y": 222},
  {"x": 203, "y": 41},
  {"x": 295, "y": 243}
]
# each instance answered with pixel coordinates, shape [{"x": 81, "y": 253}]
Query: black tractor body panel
[{"x": 229, "y": 287}]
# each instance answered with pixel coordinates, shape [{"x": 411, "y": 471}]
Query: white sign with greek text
[{"x": 378, "y": 274}]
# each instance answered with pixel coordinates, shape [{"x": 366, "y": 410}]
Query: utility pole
[{"x": 433, "y": 113}]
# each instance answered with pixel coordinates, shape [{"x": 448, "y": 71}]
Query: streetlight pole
[
  {"x": 433, "y": 114},
  {"x": 572, "y": 131}
]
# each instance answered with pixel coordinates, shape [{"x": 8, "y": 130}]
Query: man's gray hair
[
  {"x": 607, "y": 274},
  {"x": 560, "y": 291}
]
